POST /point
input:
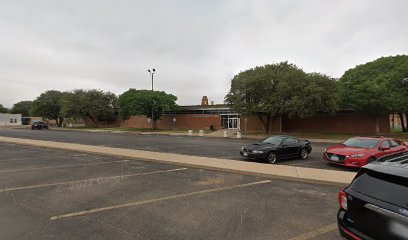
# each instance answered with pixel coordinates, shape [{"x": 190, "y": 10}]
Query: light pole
[{"x": 152, "y": 74}]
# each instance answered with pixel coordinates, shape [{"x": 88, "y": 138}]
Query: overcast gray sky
[{"x": 196, "y": 46}]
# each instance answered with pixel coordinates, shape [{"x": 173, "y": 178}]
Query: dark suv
[
  {"x": 39, "y": 125},
  {"x": 375, "y": 204}
]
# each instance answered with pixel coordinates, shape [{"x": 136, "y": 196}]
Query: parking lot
[
  {"x": 54, "y": 194},
  {"x": 194, "y": 146}
]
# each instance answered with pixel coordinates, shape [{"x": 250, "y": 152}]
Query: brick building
[{"x": 220, "y": 116}]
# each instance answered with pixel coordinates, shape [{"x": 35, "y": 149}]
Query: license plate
[
  {"x": 245, "y": 154},
  {"x": 335, "y": 158}
]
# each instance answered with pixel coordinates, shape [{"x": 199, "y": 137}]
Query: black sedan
[{"x": 277, "y": 148}]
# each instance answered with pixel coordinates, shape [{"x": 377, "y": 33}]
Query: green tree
[
  {"x": 95, "y": 104},
  {"x": 378, "y": 87},
  {"x": 23, "y": 108},
  {"x": 48, "y": 105},
  {"x": 142, "y": 102},
  {"x": 281, "y": 89},
  {"x": 3, "y": 109}
]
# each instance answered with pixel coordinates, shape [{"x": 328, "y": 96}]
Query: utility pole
[{"x": 152, "y": 74}]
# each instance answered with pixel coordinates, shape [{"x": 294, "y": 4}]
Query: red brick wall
[
  {"x": 191, "y": 121},
  {"x": 183, "y": 121},
  {"x": 136, "y": 122},
  {"x": 113, "y": 123},
  {"x": 340, "y": 123},
  {"x": 254, "y": 124}
]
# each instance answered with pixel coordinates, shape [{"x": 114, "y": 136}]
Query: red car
[{"x": 358, "y": 151}]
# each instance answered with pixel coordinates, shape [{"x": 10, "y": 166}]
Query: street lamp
[{"x": 152, "y": 74}]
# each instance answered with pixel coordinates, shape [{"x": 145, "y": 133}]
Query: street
[
  {"x": 54, "y": 194},
  {"x": 195, "y": 146}
]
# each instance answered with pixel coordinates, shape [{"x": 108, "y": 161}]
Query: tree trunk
[
  {"x": 377, "y": 124},
  {"x": 393, "y": 121},
  {"x": 403, "y": 123},
  {"x": 272, "y": 121},
  {"x": 280, "y": 124},
  {"x": 154, "y": 124},
  {"x": 265, "y": 123},
  {"x": 61, "y": 120},
  {"x": 95, "y": 121},
  {"x": 58, "y": 122}
]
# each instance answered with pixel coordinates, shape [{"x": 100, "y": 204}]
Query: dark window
[
  {"x": 388, "y": 188},
  {"x": 394, "y": 143},
  {"x": 273, "y": 140},
  {"x": 224, "y": 121},
  {"x": 289, "y": 141}
]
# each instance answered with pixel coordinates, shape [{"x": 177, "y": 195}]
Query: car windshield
[
  {"x": 273, "y": 140},
  {"x": 361, "y": 143}
]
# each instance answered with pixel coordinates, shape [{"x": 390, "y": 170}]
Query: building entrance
[{"x": 229, "y": 121}]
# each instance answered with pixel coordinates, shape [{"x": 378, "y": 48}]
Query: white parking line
[
  {"x": 47, "y": 157},
  {"x": 85, "y": 180},
  {"x": 316, "y": 233},
  {"x": 61, "y": 166},
  {"x": 133, "y": 204}
]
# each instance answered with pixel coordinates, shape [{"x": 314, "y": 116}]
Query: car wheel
[
  {"x": 304, "y": 154},
  {"x": 272, "y": 157}
]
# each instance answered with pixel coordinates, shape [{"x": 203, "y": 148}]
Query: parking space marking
[
  {"x": 316, "y": 233},
  {"x": 61, "y": 166},
  {"x": 134, "y": 204},
  {"x": 32, "y": 158},
  {"x": 87, "y": 180}
]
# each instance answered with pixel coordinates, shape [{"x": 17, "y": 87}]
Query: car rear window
[{"x": 385, "y": 187}]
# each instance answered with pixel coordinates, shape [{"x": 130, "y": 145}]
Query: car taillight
[{"x": 343, "y": 200}]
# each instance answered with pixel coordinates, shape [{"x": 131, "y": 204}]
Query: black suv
[
  {"x": 375, "y": 205},
  {"x": 39, "y": 125}
]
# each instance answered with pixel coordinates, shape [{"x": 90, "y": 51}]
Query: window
[
  {"x": 385, "y": 144},
  {"x": 11, "y": 120},
  {"x": 394, "y": 143},
  {"x": 361, "y": 143},
  {"x": 394, "y": 189},
  {"x": 273, "y": 140},
  {"x": 289, "y": 141},
  {"x": 15, "y": 120}
]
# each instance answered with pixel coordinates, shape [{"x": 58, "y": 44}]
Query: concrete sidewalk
[{"x": 259, "y": 169}]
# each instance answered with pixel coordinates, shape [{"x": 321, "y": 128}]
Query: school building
[{"x": 221, "y": 116}]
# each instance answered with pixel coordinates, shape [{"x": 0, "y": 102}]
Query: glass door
[{"x": 232, "y": 123}]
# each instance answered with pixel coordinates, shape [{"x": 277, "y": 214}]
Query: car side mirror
[{"x": 384, "y": 148}]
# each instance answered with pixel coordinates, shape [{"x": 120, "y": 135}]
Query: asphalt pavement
[
  {"x": 194, "y": 146},
  {"x": 54, "y": 194}
]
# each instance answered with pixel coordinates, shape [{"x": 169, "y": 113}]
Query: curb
[{"x": 298, "y": 174}]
